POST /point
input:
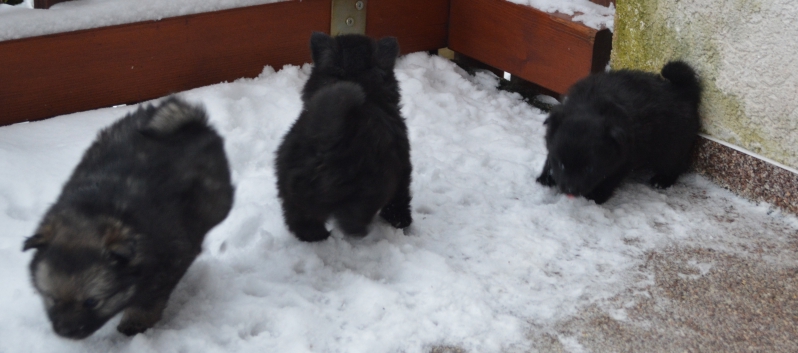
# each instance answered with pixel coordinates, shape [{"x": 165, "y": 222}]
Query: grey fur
[
  {"x": 173, "y": 114},
  {"x": 130, "y": 220}
]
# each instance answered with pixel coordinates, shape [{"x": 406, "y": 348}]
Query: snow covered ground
[
  {"x": 22, "y": 20},
  {"x": 491, "y": 255}
]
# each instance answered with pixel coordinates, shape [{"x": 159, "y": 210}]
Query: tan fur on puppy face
[
  {"x": 77, "y": 270},
  {"x": 96, "y": 282}
]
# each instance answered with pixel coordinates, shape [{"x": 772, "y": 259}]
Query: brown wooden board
[
  {"x": 69, "y": 72},
  {"x": 547, "y": 49},
  {"x": 418, "y": 24},
  {"x": 45, "y": 76}
]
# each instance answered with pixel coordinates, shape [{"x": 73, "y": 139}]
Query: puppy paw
[
  {"x": 138, "y": 320},
  {"x": 661, "y": 181},
  {"x": 398, "y": 217},
  {"x": 545, "y": 179},
  {"x": 600, "y": 195},
  {"x": 129, "y": 328},
  {"x": 311, "y": 236}
]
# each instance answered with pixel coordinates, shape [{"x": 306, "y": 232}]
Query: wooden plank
[
  {"x": 419, "y": 25},
  {"x": 76, "y": 71},
  {"x": 547, "y": 49}
]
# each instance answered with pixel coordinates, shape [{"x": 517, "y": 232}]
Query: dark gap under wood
[
  {"x": 45, "y": 4},
  {"x": 526, "y": 89}
]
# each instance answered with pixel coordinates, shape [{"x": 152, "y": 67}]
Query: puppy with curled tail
[
  {"x": 612, "y": 124},
  {"x": 347, "y": 156}
]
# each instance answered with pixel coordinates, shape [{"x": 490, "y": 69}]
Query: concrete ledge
[{"x": 746, "y": 175}]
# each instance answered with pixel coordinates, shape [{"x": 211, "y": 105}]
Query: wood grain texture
[
  {"x": 417, "y": 24},
  {"x": 547, "y": 49},
  {"x": 76, "y": 71},
  {"x": 69, "y": 72}
]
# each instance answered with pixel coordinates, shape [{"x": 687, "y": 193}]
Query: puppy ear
[
  {"x": 552, "y": 122},
  {"x": 36, "y": 241},
  {"x": 40, "y": 240},
  {"x": 120, "y": 244},
  {"x": 387, "y": 52},
  {"x": 322, "y": 49}
]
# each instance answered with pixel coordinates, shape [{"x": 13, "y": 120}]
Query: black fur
[
  {"x": 613, "y": 123},
  {"x": 131, "y": 219},
  {"x": 347, "y": 155}
]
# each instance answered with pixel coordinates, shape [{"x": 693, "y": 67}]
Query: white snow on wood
[{"x": 592, "y": 15}]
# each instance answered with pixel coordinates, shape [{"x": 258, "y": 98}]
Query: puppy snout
[{"x": 68, "y": 330}]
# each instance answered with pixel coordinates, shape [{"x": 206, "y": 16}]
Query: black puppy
[
  {"x": 130, "y": 220},
  {"x": 347, "y": 155},
  {"x": 613, "y": 123}
]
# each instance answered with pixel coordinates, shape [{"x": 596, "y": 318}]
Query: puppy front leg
[
  {"x": 603, "y": 191},
  {"x": 304, "y": 227},
  {"x": 545, "y": 176},
  {"x": 138, "y": 319},
  {"x": 663, "y": 180}
]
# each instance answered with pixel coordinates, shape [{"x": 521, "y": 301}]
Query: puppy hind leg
[
  {"x": 354, "y": 219},
  {"x": 304, "y": 228},
  {"x": 397, "y": 210}
]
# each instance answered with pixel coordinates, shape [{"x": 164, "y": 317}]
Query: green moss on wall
[{"x": 645, "y": 38}]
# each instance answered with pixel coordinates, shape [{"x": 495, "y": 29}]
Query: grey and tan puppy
[{"x": 130, "y": 220}]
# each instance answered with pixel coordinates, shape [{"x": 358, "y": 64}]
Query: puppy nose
[{"x": 67, "y": 330}]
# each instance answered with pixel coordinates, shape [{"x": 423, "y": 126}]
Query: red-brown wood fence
[{"x": 45, "y": 76}]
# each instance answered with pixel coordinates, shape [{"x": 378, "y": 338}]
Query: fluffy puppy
[
  {"x": 130, "y": 220},
  {"x": 613, "y": 123},
  {"x": 347, "y": 155}
]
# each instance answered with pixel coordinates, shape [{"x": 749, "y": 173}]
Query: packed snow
[
  {"x": 491, "y": 255},
  {"x": 23, "y": 21}
]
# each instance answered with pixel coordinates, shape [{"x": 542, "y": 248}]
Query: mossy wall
[{"x": 746, "y": 52}]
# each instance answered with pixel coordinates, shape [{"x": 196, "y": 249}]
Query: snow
[
  {"x": 491, "y": 255},
  {"x": 23, "y": 21},
  {"x": 591, "y": 14}
]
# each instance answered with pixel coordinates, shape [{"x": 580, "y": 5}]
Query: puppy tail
[
  {"x": 330, "y": 106},
  {"x": 681, "y": 75},
  {"x": 174, "y": 114}
]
